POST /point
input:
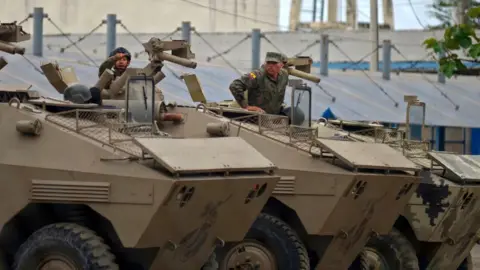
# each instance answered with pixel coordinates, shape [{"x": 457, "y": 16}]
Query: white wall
[{"x": 146, "y": 16}]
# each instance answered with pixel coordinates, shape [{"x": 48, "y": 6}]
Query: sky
[{"x": 403, "y": 13}]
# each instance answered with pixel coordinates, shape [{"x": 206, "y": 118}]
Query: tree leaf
[
  {"x": 474, "y": 12},
  {"x": 465, "y": 42},
  {"x": 474, "y": 51},
  {"x": 430, "y": 43}
]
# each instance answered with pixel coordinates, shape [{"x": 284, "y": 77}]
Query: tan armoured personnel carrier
[
  {"x": 333, "y": 195},
  {"x": 439, "y": 226},
  {"x": 86, "y": 187}
]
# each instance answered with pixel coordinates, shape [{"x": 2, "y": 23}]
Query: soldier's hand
[
  {"x": 255, "y": 109},
  {"x": 119, "y": 56}
]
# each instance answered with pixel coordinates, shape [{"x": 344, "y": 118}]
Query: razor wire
[
  {"x": 71, "y": 41},
  {"x": 356, "y": 63},
  {"x": 25, "y": 20},
  {"x": 308, "y": 47},
  {"x": 365, "y": 73},
  {"x": 326, "y": 92},
  {"x": 33, "y": 65},
  {"x": 165, "y": 37},
  {"x": 457, "y": 107},
  {"x": 213, "y": 49},
  {"x": 80, "y": 39},
  {"x": 210, "y": 58},
  {"x": 141, "y": 43},
  {"x": 273, "y": 44}
]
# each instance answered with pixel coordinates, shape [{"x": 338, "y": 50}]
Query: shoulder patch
[{"x": 252, "y": 75}]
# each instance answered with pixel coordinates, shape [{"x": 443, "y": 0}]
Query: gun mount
[
  {"x": 301, "y": 67},
  {"x": 12, "y": 33},
  {"x": 180, "y": 52}
]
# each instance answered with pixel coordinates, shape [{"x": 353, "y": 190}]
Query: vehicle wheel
[
  {"x": 64, "y": 246},
  {"x": 270, "y": 244},
  {"x": 467, "y": 264},
  {"x": 389, "y": 252},
  {"x": 212, "y": 263}
]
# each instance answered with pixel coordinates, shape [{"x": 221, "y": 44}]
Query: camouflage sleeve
[
  {"x": 244, "y": 83},
  {"x": 107, "y": 64}
]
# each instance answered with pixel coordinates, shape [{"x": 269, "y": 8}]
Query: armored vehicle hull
[
  {"x": 332, "y": 210},
  {"x": 74, "y": 179},
  {"x": 439, "y": 226}
]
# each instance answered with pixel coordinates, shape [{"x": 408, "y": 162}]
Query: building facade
[{"x": 148, "y": 16}]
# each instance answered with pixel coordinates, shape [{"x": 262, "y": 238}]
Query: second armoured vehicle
[
  {"x": 439, "y": 226},
  {"x": 86, "y": 187},
  {"x": 333, "y": 195}
]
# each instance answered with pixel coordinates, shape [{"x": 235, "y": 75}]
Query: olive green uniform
[
  {"x": 263, "y": 90},
  {"x": 109, "y": 63}
]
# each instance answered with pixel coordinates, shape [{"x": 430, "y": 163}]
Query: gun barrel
[
  {"x": 11, "y": 49},
  {"x": 303, "y": 75},
  {"x": 175, "y": 59}
]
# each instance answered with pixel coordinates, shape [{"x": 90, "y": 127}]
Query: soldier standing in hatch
[
  {"x": 118, "y": 60},
  {"x": 266, "y": 86}
]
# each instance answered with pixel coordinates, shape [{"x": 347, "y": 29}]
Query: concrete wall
[{"x": 147, "y": 16}]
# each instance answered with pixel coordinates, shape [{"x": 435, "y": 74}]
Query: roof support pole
[
  {"x": 256, "y": 41},
  {"x": 111, "y": 33},
  {"x": 324, "y": 42},
  {"x": 38, "y": 31},
  {"x": 186, "y": 31},
  {"x": 387, "y": 59}
]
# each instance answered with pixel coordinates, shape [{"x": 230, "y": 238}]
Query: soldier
[
  {"x": 266, "y": 88},
  {"x": 118, "y": 60}
]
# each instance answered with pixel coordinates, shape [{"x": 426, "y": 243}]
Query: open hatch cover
[
  {"x": 364, "y": 155},
  {"x": 202, "y": 155},
  {"x": 464, "y": 167}
]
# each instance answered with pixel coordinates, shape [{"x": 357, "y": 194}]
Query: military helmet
[
  {"x": 121, "y": 50},
  {"x": 274, "y": 57},
  {"x": 77, "y": 93}
]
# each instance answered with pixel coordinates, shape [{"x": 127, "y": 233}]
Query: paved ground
[{"x": 476, "y": 257}]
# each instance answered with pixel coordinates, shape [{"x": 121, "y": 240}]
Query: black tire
[
  {"x": 393, "y": 251},
  {"x": 212, "y": 263},
  {"x": 467, "y": 264},
  {"x": 278, "y": 238},
  {"x": 77, "y": 245}
]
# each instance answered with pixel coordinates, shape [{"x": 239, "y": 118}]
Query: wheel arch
[
  {"x": 277, "y": 208},
  {"x": 403, "y": 225},
  {"x": 36, "y": 215}
]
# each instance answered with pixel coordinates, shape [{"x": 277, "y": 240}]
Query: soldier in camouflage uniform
[
  {"x": 118, "y": 61},
  {"x": 266, "y": 86}
]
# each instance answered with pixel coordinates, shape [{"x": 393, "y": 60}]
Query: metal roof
[{"x": 357, "y": 98}]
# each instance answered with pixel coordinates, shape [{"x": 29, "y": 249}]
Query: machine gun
[
  {"x": 300, "y": 67},
  {"x": 11, "y": 32},
  {"x": 156, "y": 55}
]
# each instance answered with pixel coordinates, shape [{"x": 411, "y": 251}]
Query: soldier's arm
[
  {"x": 242, "y": 84},
  {"x": 107, "y": 64}
]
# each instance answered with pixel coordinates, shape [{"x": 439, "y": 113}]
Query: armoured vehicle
[
  {"x": 90, "y": 187},
  {"x": 333, "y": 195},
  {"x": 439, "y": 226}
]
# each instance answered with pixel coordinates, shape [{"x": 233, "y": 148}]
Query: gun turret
[
  {"x": 180, "y": 52},
  {"x": 11, "y": 32},
  {"x": 300, "y": 67}
]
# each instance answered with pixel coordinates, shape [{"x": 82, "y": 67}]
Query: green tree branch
[{"x": 459, "y": 37}]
